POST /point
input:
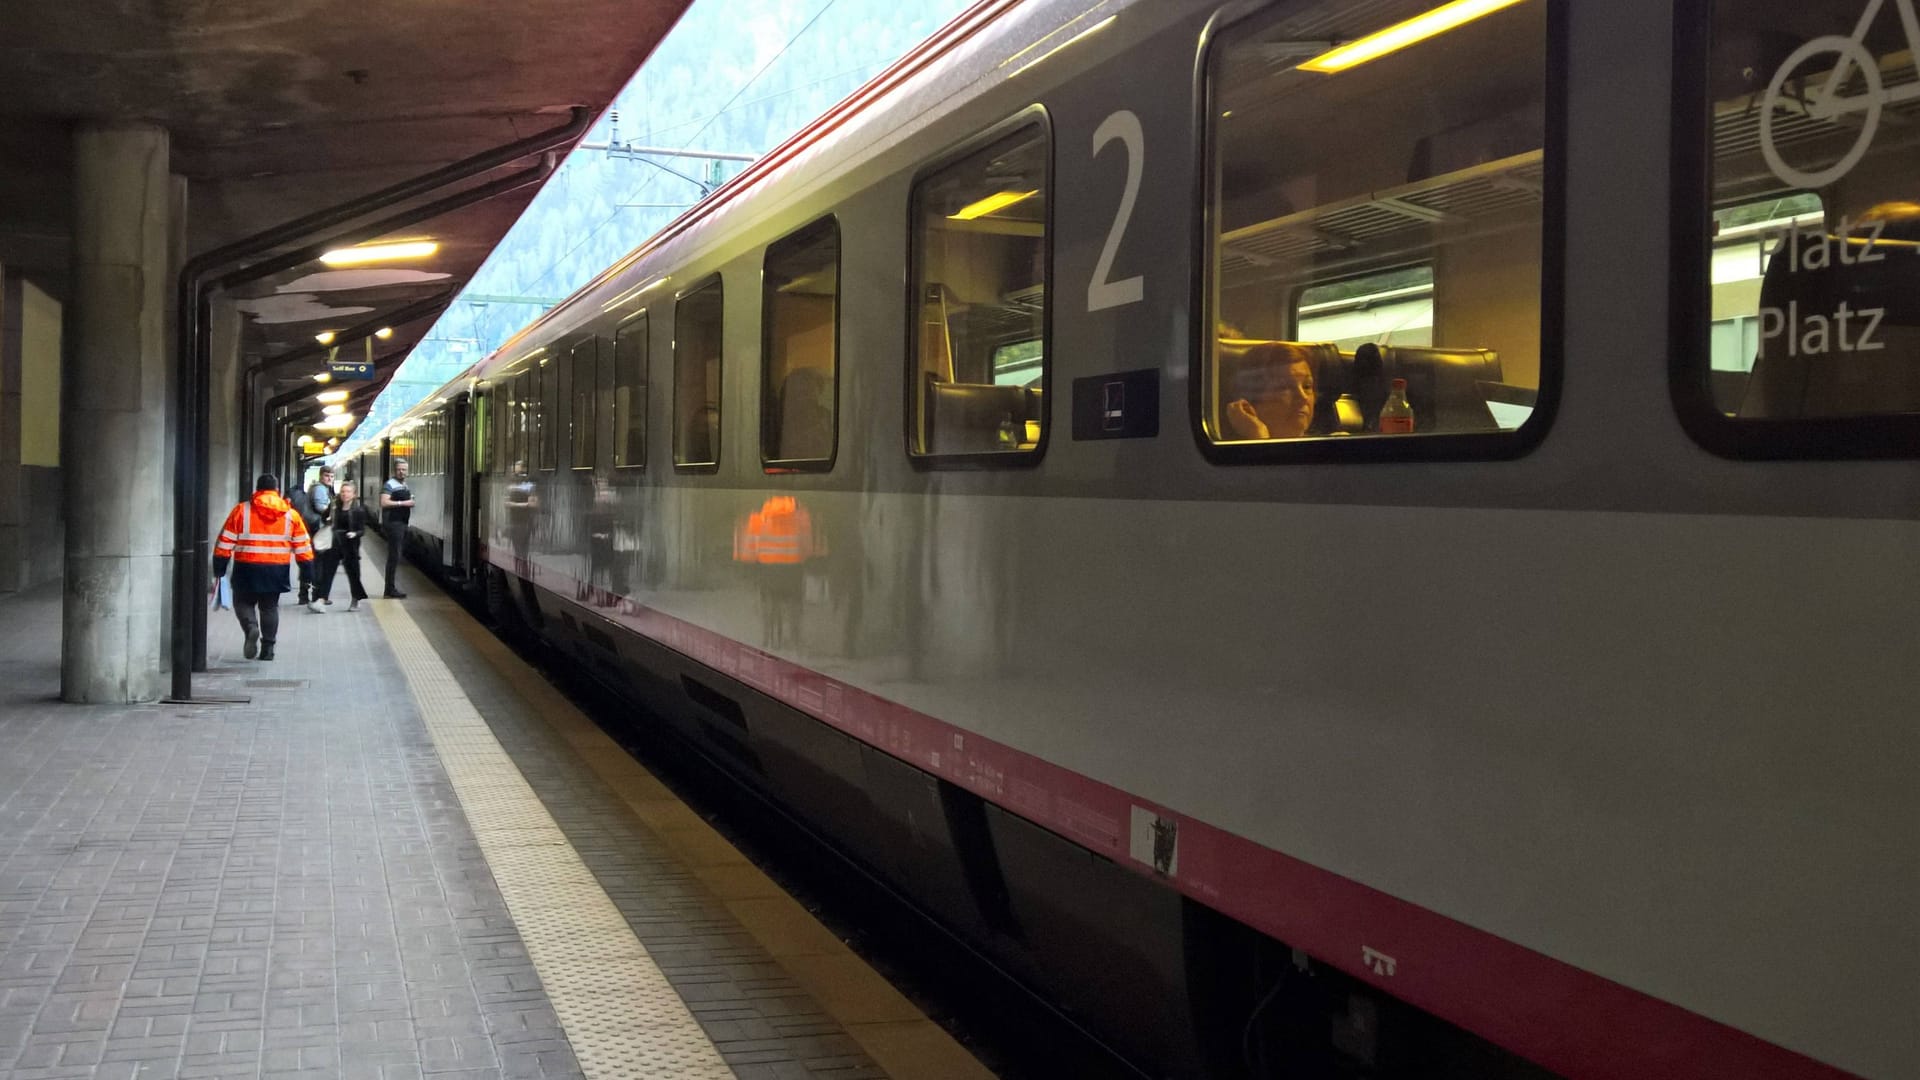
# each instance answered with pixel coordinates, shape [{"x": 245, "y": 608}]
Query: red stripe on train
[{"x": 1560, "y": 1016}]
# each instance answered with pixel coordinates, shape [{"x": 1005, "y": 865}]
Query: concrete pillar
[
  {"x": 114, "y": 430},
  {"x": 223, "y": 415}
]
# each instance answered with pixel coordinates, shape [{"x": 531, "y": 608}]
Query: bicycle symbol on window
[{"x": 1830, "y": 102}]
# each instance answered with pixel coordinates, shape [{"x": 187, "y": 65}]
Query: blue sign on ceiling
[{"x": 355, "y": 369}]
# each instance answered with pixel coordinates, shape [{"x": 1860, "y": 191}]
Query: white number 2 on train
[{"x": 1101, "y": 293}]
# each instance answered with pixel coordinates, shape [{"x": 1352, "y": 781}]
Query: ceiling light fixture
[
  {"x": 332, "y": 397},
  {"x": 323, "y": 377},
  {"x": 325, "y": 337},
  {"x": 383, "y": 333},
  {"x": 332, "y": 410},
  {"x": 370, "y": 253},
  {"x": 999, "y": 200},
  {"x": 1402, "y": 34}
]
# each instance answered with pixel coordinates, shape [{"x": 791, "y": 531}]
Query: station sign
[{"x": 361, "y": 370}]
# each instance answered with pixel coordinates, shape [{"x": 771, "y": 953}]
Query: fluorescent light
[
  {"x": 332, "y": 396},
  {"x": 323, "y": 377},
  {"x": 332, "y": 410},
  {"x": 383, "y": 333},
  {"x": 325, "y": 337},
  {"x": 1402, "y": 34},
  {"x": 999, "y": 200},
  {"x": 367, "y": 253}
]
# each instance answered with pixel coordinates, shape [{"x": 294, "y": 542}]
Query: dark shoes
[
  {"x": 266, "y": 651},
  {"x": 393, "y": 594},
  {"x": 252, "y": 648}
]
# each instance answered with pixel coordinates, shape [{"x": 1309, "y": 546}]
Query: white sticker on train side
[
  {"x": 1376, "y": 961},
  {"x": 1101, "y": 293}
]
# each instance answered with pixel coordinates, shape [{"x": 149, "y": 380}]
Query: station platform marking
[
  {"x": 887, "y": 1027},
  {"x": 620, "y": 1014}
]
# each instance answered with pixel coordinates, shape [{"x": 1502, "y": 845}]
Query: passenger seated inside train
[{"x": 1269, "y": 391}]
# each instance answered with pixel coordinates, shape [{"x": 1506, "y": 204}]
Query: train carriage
[{"x": 1324, "y": 536}]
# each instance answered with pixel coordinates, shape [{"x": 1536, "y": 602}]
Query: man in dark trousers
[
  {"x": 262, "y": 536},
  {"x": 396, "y": 505}
]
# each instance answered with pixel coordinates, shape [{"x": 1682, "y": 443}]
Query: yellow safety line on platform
[
  {"x": 619, "y": 1012},
  {"x": 888, "y": 1027}
]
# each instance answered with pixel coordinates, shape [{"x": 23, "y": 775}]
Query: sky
[{"x": 709, "y": 87}]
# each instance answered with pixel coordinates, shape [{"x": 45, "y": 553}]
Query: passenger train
[{"x": 1329, "y": 537}]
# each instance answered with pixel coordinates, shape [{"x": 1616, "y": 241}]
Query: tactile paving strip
[{"x": 618, "y": 1010}]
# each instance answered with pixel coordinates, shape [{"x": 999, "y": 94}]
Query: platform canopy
[{"x": 278, "y": 108}]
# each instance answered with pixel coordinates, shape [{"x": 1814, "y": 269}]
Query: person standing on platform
[
  {"x": 262, "y": 536},
  {"x": 350, "y": 521},
  {"x": 317, "y": 513},
  {"x": 396, "y": 506}
]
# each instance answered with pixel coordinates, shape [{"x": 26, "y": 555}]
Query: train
[{"x": 1327, "y": 538}]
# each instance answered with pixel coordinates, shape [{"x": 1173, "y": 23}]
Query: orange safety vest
[{"x": 242, "y": 544}]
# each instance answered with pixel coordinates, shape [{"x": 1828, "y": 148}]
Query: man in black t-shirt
[{"x": 396, "y": 506}]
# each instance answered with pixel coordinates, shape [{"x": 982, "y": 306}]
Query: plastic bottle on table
[
  {"x": 1396, "y": 416},
  {"x": 1009, "y": 439}
]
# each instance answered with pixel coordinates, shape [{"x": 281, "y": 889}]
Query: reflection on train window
[
  {"x": 800, "y": 291},
  {"x": 584, "y": 361},
  {"x": 979, "y": 290},
  {"x": 630, "y": 393},
  {"x": 1377, "y": 222},
  {"x": 1815, "y": 212},
  {"x": 696, "y": 376},
  {"x": 1744, "y": 235}
]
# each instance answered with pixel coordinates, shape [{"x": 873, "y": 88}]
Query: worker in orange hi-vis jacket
[{"x": 262, "y": 536}]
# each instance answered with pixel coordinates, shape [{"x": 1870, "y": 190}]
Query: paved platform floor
[{"x": 294, "y": 887}]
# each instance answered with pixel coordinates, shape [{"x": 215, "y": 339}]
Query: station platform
[{"x": 403, "y": 855}]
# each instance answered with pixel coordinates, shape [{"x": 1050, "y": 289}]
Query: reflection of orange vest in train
[{"x": 780, "y": 533}]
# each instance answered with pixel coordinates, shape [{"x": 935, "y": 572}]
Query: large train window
[
  {"x": 584, "y": 360},
  {"x": 1798, "y": 227},
  {"x": 977, "y": 365},
  {"x": 630, "y": 393},
  {"x": 1376, "y": 226},
  {"x": 696, "y": 378},
  {"x": 799, "y": 371}
]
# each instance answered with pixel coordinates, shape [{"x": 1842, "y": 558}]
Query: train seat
[
  {"x": 964, "y": 418},
  {"x": 1442, "y": 384}
]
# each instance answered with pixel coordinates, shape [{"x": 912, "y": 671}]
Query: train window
[
  {"x": 546, "y": 415},
  {"x": 696, "y": 377},
  {"x": 1393, "y": 306},
  {"x": 630, "y": 393},
  {"x": 1797, "y": 265},
  {"x": 483, "y": 430},
  {"x": 799, "y": 373},
  {"x": 1375, "y": 225},
  {"x": 583, "y": 391},
  {"x": 978, "y": 358},
  {"x": 525, "y": 403}
]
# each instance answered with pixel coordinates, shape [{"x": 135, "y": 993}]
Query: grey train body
[{"x": 1616, "y": 703}]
